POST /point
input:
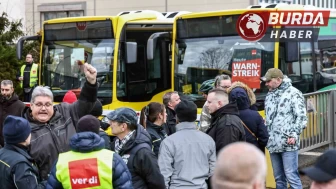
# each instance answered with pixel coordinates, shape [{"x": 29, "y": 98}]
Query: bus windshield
[
  {"x": 201, "y": 59},
  {"x": 67, "y": 46},
  {"x": 63, "y": 66}
]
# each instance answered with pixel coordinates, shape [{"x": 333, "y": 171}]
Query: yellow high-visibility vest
[
  {"x": 33, "y": 75},
  {"x": 85, "y": 170}
]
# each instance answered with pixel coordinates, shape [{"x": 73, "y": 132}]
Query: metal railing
[{"x": 320, "y": 130}]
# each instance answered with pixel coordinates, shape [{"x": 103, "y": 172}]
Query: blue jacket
[
  {"x": 245, "y": 97},
  {"x": 85, "y": 142},
  {"x": 18, "y": 169}
]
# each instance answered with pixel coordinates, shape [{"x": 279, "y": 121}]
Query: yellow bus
[
  {"x": 206, "y": 43},
  {"x": 128, "y": 74}
]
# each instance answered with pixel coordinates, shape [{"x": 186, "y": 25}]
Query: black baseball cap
[{"x": 324, "y": 169}]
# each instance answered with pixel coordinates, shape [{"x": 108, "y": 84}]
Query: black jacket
[
  {"x": 226, "y": 126},
  {"x": 18, "y": 169},
  {"x": 157, "y": 133},
  {"x": 85, "y": 142},
  {"x": 14, "y": 107},
  {"x": 144, "y": 168},
  {"x": 170, "y": 125},
  {"x": 51, "y": 138}
]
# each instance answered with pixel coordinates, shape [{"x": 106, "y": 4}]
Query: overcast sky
[{"x": 14, "y": 8}]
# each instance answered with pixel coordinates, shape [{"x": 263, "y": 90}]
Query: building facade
[{"x": 38, "y": 11}]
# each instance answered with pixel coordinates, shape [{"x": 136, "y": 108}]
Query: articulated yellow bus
[
  {"x": 206, "y": 44},
  {"x": 128, "y": 74}
]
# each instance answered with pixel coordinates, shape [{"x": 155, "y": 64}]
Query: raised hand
[{"x": 90, "y": 73}]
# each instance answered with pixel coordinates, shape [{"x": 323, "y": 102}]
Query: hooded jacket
[
  {"x": 286, "y": 117},
  {"x": 85, "y": 142},
  {"x": 144, "y": 168},
  {"x": 245, "y": 98},
  {"x": 13, "y": 106},
  {"x": 52, "y": 138},
  {"x": 226, "y": 126},
  {"x": 157, "y": 134}
]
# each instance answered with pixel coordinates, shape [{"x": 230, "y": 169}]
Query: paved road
[{"x": 307, "y": 159}]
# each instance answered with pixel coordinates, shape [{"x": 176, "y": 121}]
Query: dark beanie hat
[
  {"x": 88, "y": 123},
  {"x": 15, "y": 129},
  {"x": 186, "y": 111},
  {"x": 97, "y": 109}
]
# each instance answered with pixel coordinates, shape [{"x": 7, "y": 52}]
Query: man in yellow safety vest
[
  {"x": 88, "y": 164},
  {"x": 28, "y": 77}
]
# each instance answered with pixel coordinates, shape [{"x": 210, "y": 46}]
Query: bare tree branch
[{"x": 216, "y": 57}]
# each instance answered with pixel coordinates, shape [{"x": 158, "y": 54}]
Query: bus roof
[
  {"x": 153, "y": 21},
  {"x": 159, "y": 15},
  {"x": 77, "y": 19},
  {"x": 265, "y": 7},
  {"x": 215, "y": 13}
]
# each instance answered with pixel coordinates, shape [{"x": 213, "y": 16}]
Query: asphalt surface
[{"x": 307, "y": 159}]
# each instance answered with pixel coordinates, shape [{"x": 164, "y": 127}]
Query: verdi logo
[{"x": 84, "y": 173}]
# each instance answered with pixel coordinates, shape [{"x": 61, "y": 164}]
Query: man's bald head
[{"x": 240, "y": 165}]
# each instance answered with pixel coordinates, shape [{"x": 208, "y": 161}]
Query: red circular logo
[
  {"x": 81, "y": 26},
  {"x": 251, "y": 26}
]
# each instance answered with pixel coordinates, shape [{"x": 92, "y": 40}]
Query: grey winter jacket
[{"x": 187, "y": 158}]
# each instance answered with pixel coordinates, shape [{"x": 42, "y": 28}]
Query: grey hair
[
  {"x": 42, "y": 91},
  {"x": 7, "y": 82},
  {"x": 219, "y": 78},
  {"x": 167, "y": 96}
]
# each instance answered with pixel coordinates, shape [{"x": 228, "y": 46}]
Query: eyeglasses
[{"x": 40, "y": 105}]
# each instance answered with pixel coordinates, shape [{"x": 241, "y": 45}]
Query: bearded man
[{"x": 9, "y": 104}]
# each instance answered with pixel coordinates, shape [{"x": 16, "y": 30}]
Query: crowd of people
[{"x": 65, "y": 146}]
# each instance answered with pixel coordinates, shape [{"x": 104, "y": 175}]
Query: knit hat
[
  {"x": 70, "y": 97},
  {"x": 88, "y": 123},
  {"x": 97, "y": 109},
  {"x": 15, "y": 129},
  {"x": 186, "y": 111}
]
